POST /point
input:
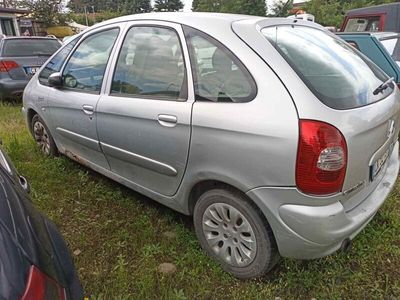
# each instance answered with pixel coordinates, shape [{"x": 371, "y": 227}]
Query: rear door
[
  {"x": 73, "y": 106},
  {"x": 331, "y": 82},
  {"x": 144, "y": 118}
]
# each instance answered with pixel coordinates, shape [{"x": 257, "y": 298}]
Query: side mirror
[{"x": 55, "y": 80}]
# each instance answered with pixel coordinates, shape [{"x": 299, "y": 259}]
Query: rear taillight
[
  {"x": 321, "y": 158},
  {"x": 7, "y": 65},
  {"x": 40, "y": 287}
]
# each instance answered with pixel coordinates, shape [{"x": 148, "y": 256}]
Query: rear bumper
[
  {"x": 10, "y": 88},
  {"x": 307, "y": 230}
]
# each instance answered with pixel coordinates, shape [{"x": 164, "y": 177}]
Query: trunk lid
[{"x": 27, "y": 65}]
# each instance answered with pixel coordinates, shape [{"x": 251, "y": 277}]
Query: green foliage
[
  {"x": 92, "y": 19},
  {"x": 281, "y": 8},
  {"x": 120, "y": 7},
  {"x": 195, "y": 5},
  {"x": 46, "y": 11},
  {"x": 331, "y": 12},
  {"x": 168, "y": 5},
  {"x": 248, "y": 7}
]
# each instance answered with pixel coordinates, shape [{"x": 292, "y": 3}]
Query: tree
[
  {"x": 281, "y": 8},
  {"x": 195, "y": 5},
  {"x": 47, "y": 11},
  {"x": 122, "y": 7},
  {"x": 248, "y": 7},
  {"x": 168, "y": 5}
]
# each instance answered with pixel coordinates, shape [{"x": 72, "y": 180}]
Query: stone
[{"x": 167, "y": 268}]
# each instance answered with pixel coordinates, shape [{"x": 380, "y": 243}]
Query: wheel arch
[
  {"x": 205, "y": 185},
  {"x": 29, "y": 115}
]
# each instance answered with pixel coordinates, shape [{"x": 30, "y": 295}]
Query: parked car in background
[
  {"x": 277, "y": 136},
  {"x": 383, "y": 48},
  {"x": 20, "y": 58},
  {"x": 34, "y": 260},
  {"x": 385, "y": 17}
]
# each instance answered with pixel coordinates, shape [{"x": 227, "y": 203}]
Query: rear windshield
[
  {"x": 339, "y": 75},
  {"x": 30, "y": 47},
  {"x": 392, "y": 46}
]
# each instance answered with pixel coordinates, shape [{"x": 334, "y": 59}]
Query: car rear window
[
  {"x": 339, "y": 75},
  {"x": 29, "y": 47}
]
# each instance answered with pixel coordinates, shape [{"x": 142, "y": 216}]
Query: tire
[
  {"x": 43, "y": 137},
  {"x": 223, "y": 219}
]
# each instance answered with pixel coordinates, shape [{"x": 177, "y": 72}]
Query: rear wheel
[
  {"x": 235, "y": 233},
  {"x": 43, "y": 137}
]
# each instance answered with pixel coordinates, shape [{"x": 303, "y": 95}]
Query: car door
[
  {"x": 40, "y": 89},
  {"x": 144, "y": 119},
  {"x": 72, "y": 107}
]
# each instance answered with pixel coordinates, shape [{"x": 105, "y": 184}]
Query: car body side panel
[
  {"x": 250, "y": 144},
  {"x": 13, "y": 267}
]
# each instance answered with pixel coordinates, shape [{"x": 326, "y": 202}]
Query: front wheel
[
  {"x": 235, "y": 233},
  {"x": 42, "y": 136}
]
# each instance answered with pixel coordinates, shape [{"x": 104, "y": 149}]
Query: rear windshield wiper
[{"x": 383, "y": 86}]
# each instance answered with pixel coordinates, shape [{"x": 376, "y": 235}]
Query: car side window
[
  {"x": 354, "y": 44},
  {"x": 85, "y": 68},
  {"x": 218, "y": 74},
  {"x": 151, "y": 65},
  {"x": 56, "y": 62}
]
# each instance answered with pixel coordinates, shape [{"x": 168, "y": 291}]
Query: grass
[{"x": 118, "y": 240}]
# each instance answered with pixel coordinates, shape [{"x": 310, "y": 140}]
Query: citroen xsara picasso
[{"x": 278, "y": 137}]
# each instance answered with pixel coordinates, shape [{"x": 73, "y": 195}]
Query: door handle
[
  {"x": 167, "y": 120},
  {"x": 88, "y": 109}
]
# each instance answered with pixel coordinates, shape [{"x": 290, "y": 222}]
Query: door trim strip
[
  {"x": 139, "y": 160},
  {"x": 80, "y": 139}
]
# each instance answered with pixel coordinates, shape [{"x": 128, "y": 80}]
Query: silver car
[{"x": 278, "y": 137}]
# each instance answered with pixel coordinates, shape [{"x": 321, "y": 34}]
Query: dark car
[
  {"x": 34, "y": 260},
  {"x": 385, "y": 17},
  {"x": 20, "y": 58},
  {"x": 383, "y": 48}
]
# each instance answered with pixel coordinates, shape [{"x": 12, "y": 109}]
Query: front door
[
  {"x": 73, "y": 107},
  {"x": 144, "y": 119}
]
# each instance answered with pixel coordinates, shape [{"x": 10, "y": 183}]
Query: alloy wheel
[
  {"x": 229, "y": 234},
  {"x": 42, "y": 137}
]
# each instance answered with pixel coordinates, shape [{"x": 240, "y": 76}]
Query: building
[{"x": 9, "y": 18}]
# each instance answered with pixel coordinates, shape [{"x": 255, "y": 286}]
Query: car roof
[
  {"x": 213, "y": 23},
  {"x": 378, "y": 35},
  {"x": 28, "y": 38},
  {"x": 182, "y": 17}
]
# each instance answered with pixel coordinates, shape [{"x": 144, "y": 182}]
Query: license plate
[
  {"x": 32, "y": 70},
  {"x": 377, "y": 167}
]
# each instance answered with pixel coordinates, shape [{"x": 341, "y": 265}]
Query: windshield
[
  {"x": 339, "y": 75},
  {"x": 30, "y": 47}
]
